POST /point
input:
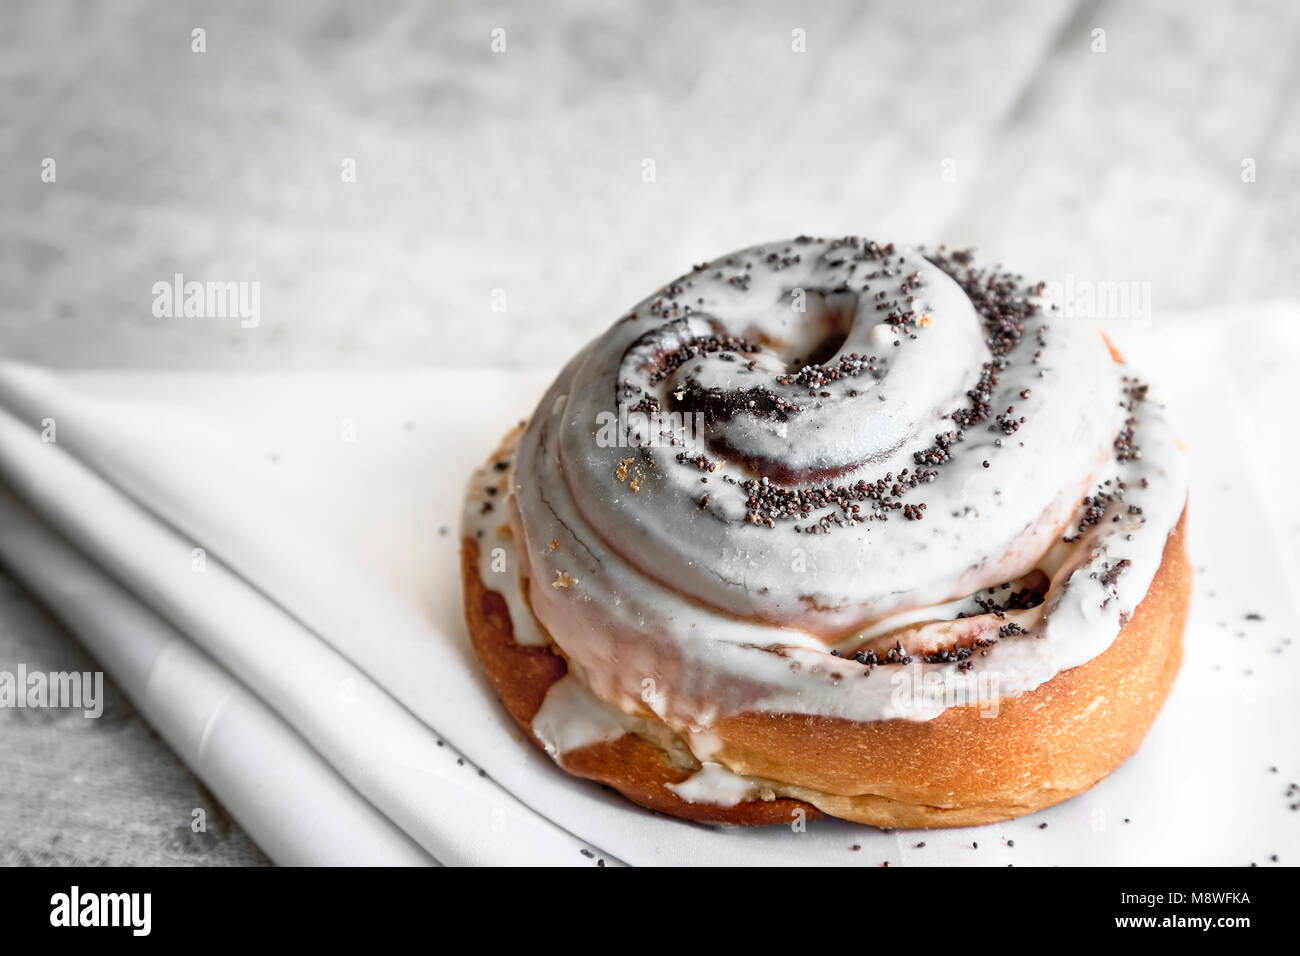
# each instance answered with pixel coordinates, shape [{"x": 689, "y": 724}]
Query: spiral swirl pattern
[{"x": 810, "y": 459}]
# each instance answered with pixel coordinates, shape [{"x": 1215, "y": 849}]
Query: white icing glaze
[
  {"x": 714, "y": 783},
  {"x": 571, "y": 718},
  {"x": 484, "y": 519},
  {"x": 716, "y": 616}
]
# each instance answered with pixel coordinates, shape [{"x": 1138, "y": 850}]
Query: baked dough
[{"x": 830, "y": 527}]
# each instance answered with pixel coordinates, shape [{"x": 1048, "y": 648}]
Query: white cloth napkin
[
  {"x": 308, "y": 660},
  {"x": 252, "y": 758}
]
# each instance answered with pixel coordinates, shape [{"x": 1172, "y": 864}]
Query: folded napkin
[
  {"x": 253, "y": 758},
  {"x": 267, "y": 564}
]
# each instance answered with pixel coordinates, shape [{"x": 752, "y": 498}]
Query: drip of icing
[
  {"x": 570, "y": 718},
  {"x": 714, "y": 783},
  {"x": 497, "y": 556}
]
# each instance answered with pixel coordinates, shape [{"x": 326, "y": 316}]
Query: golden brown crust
[
  {"x": 634, "y": 767},
  {"x": 962, "y": 768},
  {"x": 959, "y": 769}
]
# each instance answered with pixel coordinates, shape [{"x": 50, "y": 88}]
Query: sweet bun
[{"x": 834, "y": 527}]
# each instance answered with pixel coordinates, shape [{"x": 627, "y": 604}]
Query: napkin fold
[
  {"x": 282, "y": 701},
  {"x": 293, "y": 804},
  {"x": 267, "y": 564}
]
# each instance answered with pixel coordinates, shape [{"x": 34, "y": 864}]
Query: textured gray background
[{"x": 522, "y": 172}]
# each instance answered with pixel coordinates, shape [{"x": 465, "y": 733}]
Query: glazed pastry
[{"x": 827, "y": 526}]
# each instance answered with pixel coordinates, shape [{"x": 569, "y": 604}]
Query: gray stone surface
[{"x": 523, "y": 171}]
